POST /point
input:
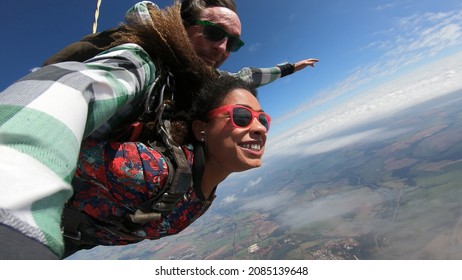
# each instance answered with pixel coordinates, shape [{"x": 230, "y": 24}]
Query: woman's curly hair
[{"x": 166, "y": 41}]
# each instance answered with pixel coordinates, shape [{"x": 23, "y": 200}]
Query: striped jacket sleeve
[
  {"x": 43, "y": 119},
  {"x": 258, "y": 76}
]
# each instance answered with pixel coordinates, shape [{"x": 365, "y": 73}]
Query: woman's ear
[{"x": 198, "y": 128}]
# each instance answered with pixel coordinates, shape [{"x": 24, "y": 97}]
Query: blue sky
[{"x": 361, "y": 43}]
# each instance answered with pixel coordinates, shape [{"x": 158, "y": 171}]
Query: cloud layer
[{"x": 431, "y": 81}]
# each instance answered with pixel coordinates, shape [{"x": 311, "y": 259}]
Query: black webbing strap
[
  {"x": 180, "y": 176},
  {"x": 176, "y": 186}
]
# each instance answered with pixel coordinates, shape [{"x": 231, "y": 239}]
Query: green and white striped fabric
[
  {"x": 43, "y": 119},
  {"x": 258, "y": 76}
]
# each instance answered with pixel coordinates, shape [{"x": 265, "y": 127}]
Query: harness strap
[
  {"x": 79, "y": 231},
  {"x": 70, "y": 224},
  {"x": 77, "y": 226}
]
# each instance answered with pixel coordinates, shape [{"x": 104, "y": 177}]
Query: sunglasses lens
[
  {"x": 242, "y": 117},
  {"x": 214, "y": 33},
  {"x": 234, "y": 44},
  {"x": 264, "y": 121}
]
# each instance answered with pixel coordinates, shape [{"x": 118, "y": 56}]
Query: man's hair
[{"x": 191, "y": 9}]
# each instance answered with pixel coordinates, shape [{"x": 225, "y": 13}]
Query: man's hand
[{"x": 303, "y": 63}]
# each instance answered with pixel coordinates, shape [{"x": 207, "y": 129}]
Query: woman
[{"x": 227, "y": 134}]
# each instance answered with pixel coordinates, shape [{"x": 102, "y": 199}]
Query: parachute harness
[
  {"x": 80, "y": 228},
  {"x": 180, "y": 176}
]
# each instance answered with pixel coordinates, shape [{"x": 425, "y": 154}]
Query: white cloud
[
  {"x": 254, "y": 47},
  {"x": 255, "y": 182},
  {"x": 322, "y": 209},
  {"x": 334, "y": 143},
  {"x": 312, "y": 136},
  {"x": 229, "y": 199},
  {"x": 294, "y": 211},
  {"x": 385, "y": 7},
  {"x": 269, "y": 202}
]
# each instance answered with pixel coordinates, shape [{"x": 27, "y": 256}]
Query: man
[{"x": 214, "y": 29}]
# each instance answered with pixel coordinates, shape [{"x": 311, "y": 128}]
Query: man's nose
[{"x": 221, "y": 45}]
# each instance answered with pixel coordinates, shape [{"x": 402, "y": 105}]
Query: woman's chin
[{"x": 253, "y": 164}]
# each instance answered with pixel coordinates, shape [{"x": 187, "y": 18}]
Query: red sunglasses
[{"x": 241, "y": 116}]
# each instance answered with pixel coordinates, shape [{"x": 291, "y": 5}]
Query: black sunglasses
[{"x": 215, "y": 33}]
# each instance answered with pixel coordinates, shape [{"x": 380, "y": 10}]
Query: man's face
[{"x": 214, "y": 53}]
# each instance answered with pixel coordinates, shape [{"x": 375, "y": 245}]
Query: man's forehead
[
  {"x": 219, "y": 12},
  {"x": 224, "y": 17}
]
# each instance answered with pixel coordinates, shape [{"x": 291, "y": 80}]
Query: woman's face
[{"x": 233, "y": 148}]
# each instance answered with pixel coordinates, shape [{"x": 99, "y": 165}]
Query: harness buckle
[{"x": 76, "y": 236}]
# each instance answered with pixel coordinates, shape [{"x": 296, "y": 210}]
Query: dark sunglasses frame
[
  {"x": 216, "y": 33},
  {"x": 233, "y": 112}
]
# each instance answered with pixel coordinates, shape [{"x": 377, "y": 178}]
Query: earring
[{"x": 204, "y": 137}]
